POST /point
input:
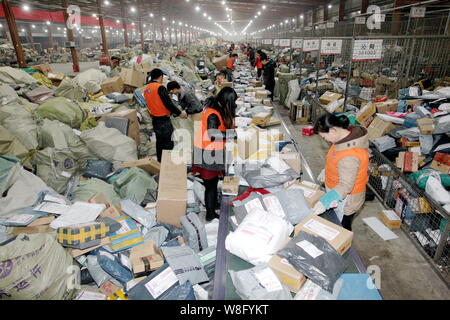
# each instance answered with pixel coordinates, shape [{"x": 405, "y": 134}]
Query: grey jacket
[{"x": 189, "y": 102}]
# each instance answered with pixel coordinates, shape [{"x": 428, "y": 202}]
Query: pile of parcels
[
  {"x": 8, "y": 55},
  {"x": 80, "y": 188},
  {"x": 295, "y": 254},
  {"x": 410, "y": 126}
]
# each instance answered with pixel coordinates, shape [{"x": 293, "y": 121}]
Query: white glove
[
  {"x": 321, "y": 177},
  {"x": 319, "y": 208}
]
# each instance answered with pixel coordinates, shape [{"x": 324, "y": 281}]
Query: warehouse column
[
  {"x": 396, "y": 18},
  {"x": 341, "y": 10},
  {"x": 364, "y": 6},
  {"x": 50, "y": 37},
  {"x": 76, "y": 67},
  {"x": 124, "y": 24},
  {"x": 325, "y": 13},
  {"x": 154, "y": 33},
  {"x": 102, "y": 29},
  {"x": 11, "y": 20},
  {"x": 30, "y": 35},
  {"x": 141, "y": 30},
  {"x": 162, "y": 31}
]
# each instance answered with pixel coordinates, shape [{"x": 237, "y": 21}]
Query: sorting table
[{"x": 225, "y": 261}]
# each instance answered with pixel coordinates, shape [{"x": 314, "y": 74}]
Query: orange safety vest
[
  {"x": 154, "y": 103},
  {"x": 259, "y": 64},
  {"x": 202, "y": 140},
  {"x": 230, "y": 63},
  {"x": 331, "y": 170}
]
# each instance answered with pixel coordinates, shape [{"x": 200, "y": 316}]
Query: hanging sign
[
  {"x": 267, "y": 41},
  {"x": 276, "y": 42},
  {"x": 311, "y": 45},
  {"x": 360, "y": 20},
  {"x": 370, "y": 49},
  {"x": 308, "y": 28},
  {"x": 285, "y": 42},
  {"x": 330, "y": 25},
  {"x": 322, "y": 26},
  {"x": 331, "y": 46},
  {"x": 297, "y": 43},
  {"x": 298, "y": 30},
  {"x": 418, "y": 12}
]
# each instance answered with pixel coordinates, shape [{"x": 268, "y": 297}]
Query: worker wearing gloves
[
  {"x": 346, "y": 171},
  {"x": 161, "y": 107},
  {"x": 218, "y": 120}
]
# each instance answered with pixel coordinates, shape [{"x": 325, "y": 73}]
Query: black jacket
[{"x": 269, "y": 73}]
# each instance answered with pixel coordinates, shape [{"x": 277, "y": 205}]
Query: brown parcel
[
  {"x": 261, "y": 118},
  {"x": 365, "y": 112},
  {"x": 384, "y": 107},
  {"x": 329, "y": 97},
  {"x": 293, "y": 159},
  {"x": 172, "y": 189},
  {"x": 312, "y": 193},
  {"x": 133, "y": 78},
  {"x": 379, "y": 128},
  {"x": 426, "y": 125},
  {"x": 31, "y": 230},
  {"x": 42, "y": 221},
  {"x": 146, "y": 257},
  {"x": 110, "y": 211},
  {"x": 249, "y": 144},
  {"x": 287, "y": 274},
  {"x": 143, "y": 67},
  {"x": 230, "y": 185},
  {"x": 261, "y": 94},
  {"x": 133, "y": 127},
  {"x": 77, "y": 252},
  {"x": 338, "y": 237},
  {"x": 146, "y": 164},
  {"x": 112, "y": 85},
  {"x": 390, "y": 219}
]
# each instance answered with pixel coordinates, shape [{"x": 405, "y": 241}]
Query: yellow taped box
[
  {"x": 338, "y": 237},
  {"x": 390, "y": 219},
  {"x": 287, "y": 274},
  {"x": 82, "y": 236}
]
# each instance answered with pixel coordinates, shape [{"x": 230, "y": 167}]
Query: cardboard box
[
  {"x": 441, "y": 162},
  {"x": 41, "y": 221},
  {"x": 32, "y": 230},
  {"x": 221, "y": 62},
  {"x": 112, "y": 85},
  {"x": 247, "y": 143},
  {"x": 408, "y": 161},
  {"x": 109, "y": 288},
  {"x": 133, "y": 127},
  {"x": 426, "y": 125},
  {"x": 261, "y": 118},
  {"x": 230, "y": 186},
  {"x": 287, "y": 274},
  {"x": 329, "y": 97},
  {"x": 133, "y": 78},
  {"x": 56, "y": 76},
  {"x": 256, "y": 83},
  {"x": 145, "y": 258},
  {"x": 293, "y": 159},
  {"x": 172, "y": 189},
  {"x": 45, "y": 68},
  {"x": 404, "y": 142},
  {"x": 261, "y": 94},
  {"x": 310, "y": 190},
  {"x": 367, "y": 122},
  {"x": 143, "y": 67},
  {"x": 308, "y": 131},
  {"x": 77, "y": 252},
  {"x": 379, "y": 128},
  {"x": 275, "y": 135},
  {"x": 111, "y": 212},
  {"x": 338, "y": 237},
  {"x": 147, "y": 164},
  {"x": 272, "y": 122},
  {"x": 384, "y": 107},
  {"x": 365, "y": 112},
  {"x": 390, "y": 219}
]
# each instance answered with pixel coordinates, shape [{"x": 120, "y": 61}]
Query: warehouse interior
[{"x": 224, "y": 150}]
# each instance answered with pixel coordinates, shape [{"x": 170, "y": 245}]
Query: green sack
[
  {"x": 63, "y": 110},
  {"x": 55, "y": 134},
  {"x": 109, "y": 144},
  {"x": 10, "y": 75},
  {"x": 7, "y": 163},
  {"x": 88, "y": 124},
  {"x": 71, "y": 90},
  {"x": 8, "y": 95},
  {"x": 55, "y": 167},
  {"x": 20, "y": 124},
  {"x": 86, "y": 189},
  {"x": 9, "y": 145},
  {"x": 421, "y": 178},
  {"x": 36, "y": 267},
  {"x": 133, "y": 184}
]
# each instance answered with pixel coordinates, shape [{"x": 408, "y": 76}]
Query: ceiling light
[
  {"x": 330, "y": 6},
  {"x": 26, "y": 7},
  {"x": 197, "y": 8}
]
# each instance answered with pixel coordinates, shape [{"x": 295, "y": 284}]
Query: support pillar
[
  {"x": 124, "y": 25},
  {"x": 341, "y": 10},
  {"x": 102, "y": 29},
  {"x": 11, "y": 20},
  {"x": 76, "y": 67},
  {"x": 30, "y": 35},
  {"x": 141, "y": 29}
]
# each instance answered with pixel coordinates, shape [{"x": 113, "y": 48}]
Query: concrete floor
[
  {"x": 67, "y": 68},
  {"x": 405, "y": 274}
]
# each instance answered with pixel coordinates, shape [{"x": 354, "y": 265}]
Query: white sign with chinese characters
[
  {"x": 360, "y": 20},
  {"x": 267, "y": 41},
  {"x": 276, "y": 42},
  {"x": 322, "y": 26},
  {"x": 297, "y": 43},
  {"x": 370, "y": 49},
  {"x": 330, "y": 25},
  {"x": 285, "y": 42},
  {"x": 418, "y": 12},
  {"x": 331, "y": 46},
  {"x": 311, "y": 45}
]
